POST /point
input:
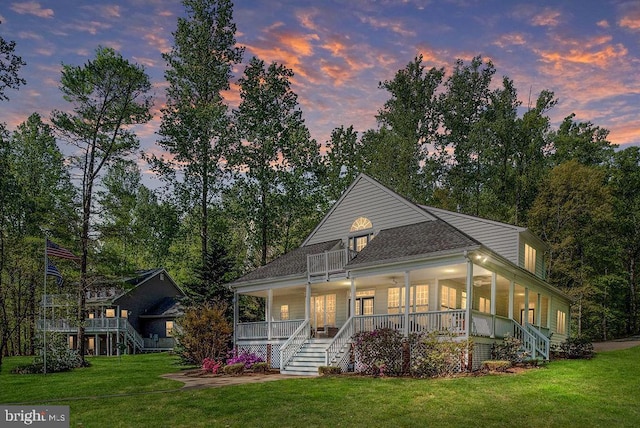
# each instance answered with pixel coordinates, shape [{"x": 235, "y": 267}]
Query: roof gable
[
  {"x": 369, "y": 199},
  {"x": 412, "y": 241}
]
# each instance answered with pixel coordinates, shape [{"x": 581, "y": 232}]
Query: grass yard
[{"x": 604, "y": 391}]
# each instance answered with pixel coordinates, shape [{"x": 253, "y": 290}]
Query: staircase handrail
[
  {"x": 136, "y": 338},
  {"x": 541, "y": 342},
  {"x": 339, "y": 341},
  {"x": 527, "y": 339},
  {"x": 294, "y": 343}
]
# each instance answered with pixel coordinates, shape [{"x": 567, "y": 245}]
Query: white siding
[
  {"x": 499, "y": 237},
  {"x": 296, "y": 306},
  {"x": 369, "y": 199},
  {"x": 557, "y": 305}
]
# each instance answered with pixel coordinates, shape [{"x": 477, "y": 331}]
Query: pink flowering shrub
[
  {"x": 211, "y": 366},
  {"x": 245, "y": 357}
]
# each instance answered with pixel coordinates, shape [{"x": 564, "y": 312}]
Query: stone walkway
[{"x": 197, "y": 382}]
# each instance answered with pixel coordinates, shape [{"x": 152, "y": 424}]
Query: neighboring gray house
[
  {"x": 137, "y": 314},
  {"x": 379, "y": 260}
]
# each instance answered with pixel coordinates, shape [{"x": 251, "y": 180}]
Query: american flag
[
  {"x": 56, "y": 250},
  {"x": 53, "y": 271}
]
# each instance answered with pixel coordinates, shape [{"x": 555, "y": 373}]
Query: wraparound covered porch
[{"x": 470, "y": 296}]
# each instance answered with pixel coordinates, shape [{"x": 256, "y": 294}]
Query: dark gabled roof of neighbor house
[
  {"x": 292, "y": 263},
  {"x": 112, "y": 290},
  {"x": 168, "y": 307},
  {"x": 413, "y": 241}
]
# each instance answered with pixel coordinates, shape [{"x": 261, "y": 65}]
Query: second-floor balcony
[{"x": 324, "y": 266}]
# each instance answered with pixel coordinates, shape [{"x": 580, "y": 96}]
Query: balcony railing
[
  {"x": 92, "y": 325},
  {"x": 330, "y": 262}
]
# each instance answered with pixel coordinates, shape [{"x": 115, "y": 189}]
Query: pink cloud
[
  {"x": 161, "y": 44},
  {"x": 511, "y": 39},
  {"x": 603, "y": 24},
  {"x": 32, "y": 8},
  {"x": 547, "y": 18}
]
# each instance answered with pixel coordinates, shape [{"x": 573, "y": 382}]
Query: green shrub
[
  {"x": 378, "y": 352},
  {"x": 260, "y": 367},
  {"x": 329, "y": 370},
  {"x": 234, "y": 369},
  {"x": 574, "y": 348},
  {"x": 437, "y": 355},
  {"x": 495, "y": 365},
  {"x": 59, "y": 357},
  {"x": 509, "y": 350}
]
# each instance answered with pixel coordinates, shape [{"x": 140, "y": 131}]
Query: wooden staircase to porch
[{"x": 307, "y": 360}]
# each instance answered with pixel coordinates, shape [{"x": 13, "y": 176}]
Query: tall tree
[
  {"x": 108, "y": 95},
  {"x": 275, "y": 158},
  {"x": 462, "y": 145},
  {"x": 195, "y": 124},
  {"x": 625, "y": 183},
  {"x": 342, "y": 163},
  {"x": 412, "y": 117},
  {"x": 582, "y": 141},
  {"x": 574, "y": 214},
  {"x": 10, "y": 65}
]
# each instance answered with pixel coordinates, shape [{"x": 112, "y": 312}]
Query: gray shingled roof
[
  {"x": 411, "y": 241},
  {"x": 292, "y": 263}
]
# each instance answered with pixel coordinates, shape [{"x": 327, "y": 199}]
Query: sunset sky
[{"x": 587, "y": 52}]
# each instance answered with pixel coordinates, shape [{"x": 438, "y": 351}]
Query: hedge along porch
[{"x": 407, "y": 269}]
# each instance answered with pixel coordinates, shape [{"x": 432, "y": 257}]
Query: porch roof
[
  {"x": 414, "y": 240},
  {"x": 292, "y": 263}
]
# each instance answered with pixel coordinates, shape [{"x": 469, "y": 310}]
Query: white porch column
[
  {"x": 269, "y": 311},
  {"x": 407, "y": 302},
  {"x": 307, "y": 302},
  {"x": 525, "y": 321},
  {"x": 549, "y": 302},
  {"x": 469, "y": 297},
  {"x": 235, "y": 318},
  {"x": 511, "y": 299},
  {"x": 538, "y": 310},
  {"x": 493, "y": 304},
  {"x": 352, "y": 302}
]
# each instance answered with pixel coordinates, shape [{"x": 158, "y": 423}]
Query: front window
[
  {"x": 448, "y": 298},
  {"x": 284, "y": 312},
  {"x": 110, "y": 313},
  {"x": 418, "y": 299},
  {"x": 357, "y": 243},
  {"x": 484, "y": 305}
]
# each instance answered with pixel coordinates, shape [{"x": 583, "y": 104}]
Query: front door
[{"x": 323, "y": 311}]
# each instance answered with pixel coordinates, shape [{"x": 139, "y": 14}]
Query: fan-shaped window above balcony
[
  {"x": 360, "y": 234},
  {"x": 361, "y": 223}
]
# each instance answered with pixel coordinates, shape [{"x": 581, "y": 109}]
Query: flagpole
[{"x": 44, "y": 304}]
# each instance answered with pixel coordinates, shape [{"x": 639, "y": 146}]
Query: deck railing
[
  {"x": 91, "y": 325},
  {"x": 327, "y": 263},
  {"x": 259, "y": 329},
  {"x": 526, "y": 338},
  {"x": 294, "y": 343}
]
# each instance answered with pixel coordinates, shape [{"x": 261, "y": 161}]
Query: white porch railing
[
  {"x": 442, "y": 321},
  {"x": 541, "y": 342},
  {"x": 259, "y": 329},
  {"x": 329, "y": 262},
  {"x": 294, "y": 343},
  {"x": 375, "y": 322}
]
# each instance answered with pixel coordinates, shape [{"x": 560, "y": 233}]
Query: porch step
[{"x": 308, "y": 358}]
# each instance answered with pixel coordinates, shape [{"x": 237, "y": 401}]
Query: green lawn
[{"x": 604, "y": 391}]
